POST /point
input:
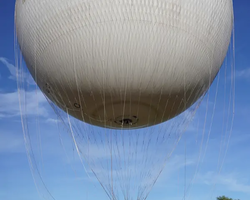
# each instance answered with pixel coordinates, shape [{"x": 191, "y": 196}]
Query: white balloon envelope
[{"x": 124, "y": 63}]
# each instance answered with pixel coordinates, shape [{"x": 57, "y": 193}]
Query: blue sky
[{"x": 63, "y": 173}]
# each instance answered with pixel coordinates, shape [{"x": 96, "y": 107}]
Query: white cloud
[
  {"x": 14, "y": 73},
  {"x": 231, "y": 181},
  {"x": 234, "y": 183},
  {"x": 243, "y": 74},
  {"x": 35, "y": 104},
  {"x": 53, "y": 121},
  {"x": 11, "y": 68}
]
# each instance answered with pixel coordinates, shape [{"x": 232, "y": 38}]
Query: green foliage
[{"x": 225, "y": 198}]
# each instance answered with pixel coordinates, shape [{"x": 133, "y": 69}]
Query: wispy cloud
[
  {"x": 14, "y": 73},
  {"x": 35, "y": 104},
  {"x": 232, "y": 181},
  {"x": 53, "y": 121},
  {"x": 243, "y": 74},
  {"x": 10, "y": 67}
]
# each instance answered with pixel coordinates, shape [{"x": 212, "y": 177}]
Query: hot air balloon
[{"x": 123, "y": 65}]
